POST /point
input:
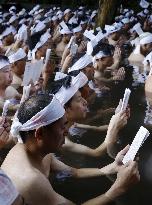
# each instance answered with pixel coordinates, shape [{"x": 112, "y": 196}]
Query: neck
[
  {"x": 70, "y": 123},
  {"x": 34, "y": 152}
]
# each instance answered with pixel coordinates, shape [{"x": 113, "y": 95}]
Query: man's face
[
  {"x": 106, "y": 61},
  {"x": 42, "y": 51},
  {"x": 148, "y": 48},
  {"x": 54, "y": 135},
  {"x": 77, "y": 109},
  {"x": 19, "y": 67},
  {"x": 79, "y": 36},
  {"x": 8, "y": 40},
  {"x": 67, "y": 38},
  {"x": 126, "y": 26},
  {"x": 115, "y": 36},
  {"x": 5, "y": 77}
]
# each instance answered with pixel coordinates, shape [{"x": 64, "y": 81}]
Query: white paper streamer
[
  {"x": 125, "y": 99},
  {"x": 47, "y": 57},
  {"x": 5, "y": 108},
  {"x": 139, "y": 139}
]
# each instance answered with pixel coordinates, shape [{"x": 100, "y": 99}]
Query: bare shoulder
[{"x": 36, "y": 189}]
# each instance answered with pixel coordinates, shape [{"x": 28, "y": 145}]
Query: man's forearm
[
  {"x": 95, "y": 172},
  {"x": 100, "y": 200}
]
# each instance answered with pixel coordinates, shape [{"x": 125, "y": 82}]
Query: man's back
[{"x": 30, "y": 178}]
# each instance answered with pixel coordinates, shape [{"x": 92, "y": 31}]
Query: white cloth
[
  {"x": 3, "y": 64},
  {"x": 65, "y": 31},
  {"x": 65, "y": 94},
  {"x": 8, "y": 192},
  {"x": 137, "y": 50},
  {"x": 77, "y": 29},
  {"x": 81, "y": 63},
  {"x": 138, "y": 29},
  {"x": 39, "y": 27},
  {"x": 147, "y": 59},
  {"x": 59, "y": 76},
  {"x": 20, "y": 54},
  {"x": 146, "y": 40},
  {"x": 67, "y": 11},
  {"x": 12, "y": 19},
  {"x": 6, "y": 32},
  {"x": 51, "y": 113},
  {"x": 144, "y": 4}
]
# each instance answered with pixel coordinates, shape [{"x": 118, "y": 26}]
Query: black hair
[
  {"x": 105, "y": 48},
  {"x": 4, "y": 58},
  {"x": 74, "y": 73},
  {"x": 56, "y": 85},
  {"x": 3, "y": 28},
  {"x": 34, "y": 39},
  {"x": 30, "y": 108}
]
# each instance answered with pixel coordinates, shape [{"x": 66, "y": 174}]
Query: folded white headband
[
  {"x": 3, "y": 64},
  {"x": 48, "y": 115}
]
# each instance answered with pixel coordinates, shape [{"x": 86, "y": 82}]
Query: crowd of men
[{"x": 54, "y": 65}]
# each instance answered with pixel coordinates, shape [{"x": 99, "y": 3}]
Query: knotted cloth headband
[{"x": 51, "y": 113}]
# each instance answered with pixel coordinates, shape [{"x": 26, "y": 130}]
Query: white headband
[
  {"x": 59, "y": 76},
  {"x": 67, "y": 11},
  {"x": 146, "y": 40},
  {"x": 6, "y": 32},
  {"x": 138, "y": 29},
  {"x": 51, "y": 113},
  {"x": 3, "y": 64},
  {"x": 77, "y": 29},
  {"x": 65, "y": 31},
  {"x": 65, "y": 94},
  {"x": 148, "y": 58},
  {"x": 100, "y": 55},
  {"x": 45, "y": 36},
  {"x": 81, "y": 63},
  {"x": 12, "y": 19},
  {"x": 20, "y": 54}
]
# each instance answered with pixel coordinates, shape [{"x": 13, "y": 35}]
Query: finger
[
  {"x": 125, "y": 150},
  {"x": 2, "y": 120},
  {"x": 4, "y": 137},
  {"x": 8, "y": 129},
  {"x": 5, "y": 125},
  {"x": 1, "y": 130}
]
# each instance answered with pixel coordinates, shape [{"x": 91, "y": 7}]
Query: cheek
[{"x": 81, "y": 109}]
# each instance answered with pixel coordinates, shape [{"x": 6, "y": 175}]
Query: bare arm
[
  {"x": 84, "y": 150},
  {"x": 94, "y": 128}
]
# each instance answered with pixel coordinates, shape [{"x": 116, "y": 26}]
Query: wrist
[{"x": 113, "y": 193}]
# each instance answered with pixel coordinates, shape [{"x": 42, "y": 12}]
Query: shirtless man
[
  {"x": 13, "y": 198},
  {"x": 143, "y": 49},
  {"x": 18, "y": 61},
  {"x": 66, "y": 35},
  {"x": 41, "y": 125},
  {"x": 5, "y": 78},
  {"x": 76, "y": 111}
]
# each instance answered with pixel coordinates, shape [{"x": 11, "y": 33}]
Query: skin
[
  {"x": 5, "y": 77},
  {"x": 37, "y": 164},
  {"x": 77, "y": 112},
  {"x": 18, "y": 67},
  {"x": 8, "y": 40}
]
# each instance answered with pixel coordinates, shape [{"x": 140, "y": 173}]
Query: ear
[{"x": 39, "y": 133}]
